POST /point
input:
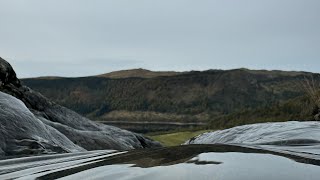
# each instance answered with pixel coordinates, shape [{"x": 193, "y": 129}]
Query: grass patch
[{"x": 176, "y": 138}]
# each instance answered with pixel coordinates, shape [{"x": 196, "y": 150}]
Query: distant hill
[
  {"x": 142, "y": 95},
  {"x": 141, "y": 73},
  {"x": 49, "y": 77}
]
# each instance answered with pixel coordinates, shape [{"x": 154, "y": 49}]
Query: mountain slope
[
  {"x": 189, "y": 96},
  {"x": 302, "y": 108},
  {"x": 37, "y": 125}
]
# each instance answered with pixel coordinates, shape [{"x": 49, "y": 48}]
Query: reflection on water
[
  {"x": 183, "y": 162},
  {"x": 198, "y": 161}
]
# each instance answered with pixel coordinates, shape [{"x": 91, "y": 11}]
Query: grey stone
[{"x": 32, "y": 124}]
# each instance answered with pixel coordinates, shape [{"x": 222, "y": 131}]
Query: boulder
[
  {"x": 290, "y": 136},
  {"x": 45, "y": 122}
]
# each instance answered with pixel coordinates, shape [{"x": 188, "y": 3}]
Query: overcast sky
[{"x": 87, "y": 37}]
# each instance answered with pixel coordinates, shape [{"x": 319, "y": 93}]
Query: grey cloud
[{"x": 159, "y": 35}]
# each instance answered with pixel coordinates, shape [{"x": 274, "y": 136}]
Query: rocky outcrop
[
  {"x": 33, "y": 122},
  {"x": 7, "y": 74},
  {"x": 292, "y": 136}
]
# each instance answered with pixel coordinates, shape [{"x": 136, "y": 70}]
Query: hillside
[
  {"x": 140, "y": 73},
  {"x": 187, "y": 97},
  {"x": 300, "y": 109}
]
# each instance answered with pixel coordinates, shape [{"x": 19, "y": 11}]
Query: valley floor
[{"x": 175, "y": 138}]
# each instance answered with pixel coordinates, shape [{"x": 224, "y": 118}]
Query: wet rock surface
[
  {"x": 182, "y": 162},
  {"x": 30, "y": 121},
  {"x": 288, "y": 150}
]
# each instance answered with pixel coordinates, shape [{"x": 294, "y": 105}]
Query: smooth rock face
[
  {"x": 302, "y": 137},
  {"x": 23, "y": 133},
  {"x": 43, "y": 126}
]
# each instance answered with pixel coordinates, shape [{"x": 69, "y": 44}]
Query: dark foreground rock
[
  {"x": 224, "y": 162},
  {"x": 31, "y": 124}
]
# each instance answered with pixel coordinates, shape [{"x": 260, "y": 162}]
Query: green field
[{"x": 176, "y": 138}]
